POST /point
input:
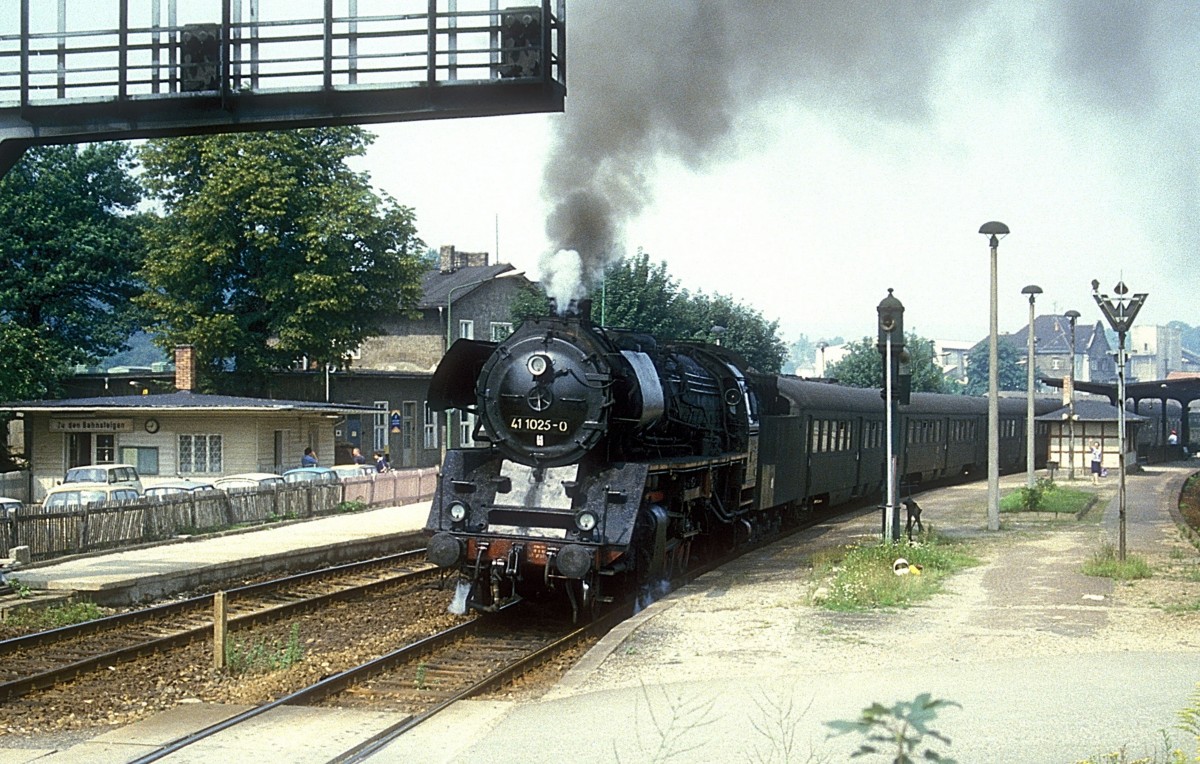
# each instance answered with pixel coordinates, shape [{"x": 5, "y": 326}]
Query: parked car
[
  {"x": 353, "y": 470},
  {"x": 311, "y": 475},
  {"x": 176, "y": 487},
  {"x": 111, "y": 474},
  {"x": 9, "y": 508},
  {"x": 249, "y": 481},
  {"x": 87, "y": 494}
]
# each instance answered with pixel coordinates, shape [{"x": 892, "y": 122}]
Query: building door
[{"x": 79, "y": 449}]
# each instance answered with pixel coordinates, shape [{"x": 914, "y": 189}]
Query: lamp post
[
  {"x": 821, "y": 346},
  {"x": 1120, "y": 312},
  {"x": 1072, "y": 316},
  {"x": 993, "y": 230},
  {"x": 1033, "y": 290}
]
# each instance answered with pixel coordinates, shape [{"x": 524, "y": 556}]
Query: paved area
[{"x": 124, "y": 577}]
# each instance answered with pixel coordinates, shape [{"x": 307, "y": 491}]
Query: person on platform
[
  {"x": 357, "y": 456},
  {"x": 1097, "y": 459},
  {"x": 309, "y": 459}
]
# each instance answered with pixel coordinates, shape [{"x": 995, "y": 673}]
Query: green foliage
[
  {"x": 863, "y": 578},
  {"x": 642, "y": 296},
  {"x": 897, "y": 732},
  {"x": 1104, "y": 564},
  {"x": 1047, "y": 496},
  {"x": 270, "y": 248},
  {"x": 71, "y": 250},
  {"x": 1010, "y": 373},
  {"x": 19, "y": 588},
  {"x": 862, "y": 366},
  {"x": 259, "y": 657},
  {"x": 54, "y": 616},
  {"x": 351, "y": 506}
]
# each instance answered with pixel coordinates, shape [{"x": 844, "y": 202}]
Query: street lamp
[
  {"x": 994, "y": 230},
  {"x": 1120, "y": 312},
  {"x": 821, "y": 346},
  {"x": 1072, "y": 316},
  {"x": 1033, "y": 290}
]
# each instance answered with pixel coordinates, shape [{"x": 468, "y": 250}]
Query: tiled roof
[{"x": 436, "y": 286}]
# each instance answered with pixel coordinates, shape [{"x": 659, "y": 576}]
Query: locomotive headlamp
[
  {"x": 458, "y": 511},
  {"x": 585, "y": 521},
  {"x": 537, "y": 364}
]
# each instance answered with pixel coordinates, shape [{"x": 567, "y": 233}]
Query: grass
[
  {"x": 1047, "y": 496},
  {"x": 862, "y": 577},
  {"x": 1104, "y": 564},
  {"x": 54, "y": 616},
  {"x": 260, "y": 657}
]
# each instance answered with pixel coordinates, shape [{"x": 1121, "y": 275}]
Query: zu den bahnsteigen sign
[{"x": 91, "y": 425}]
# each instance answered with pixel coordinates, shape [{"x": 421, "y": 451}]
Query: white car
[
  {"x": 87, "y": 494},
  {"x": 249, "y": 481},
  {"x": 9, "y": 508},
  {"x": 176, "y": 487},
  {"x": 112, "y": 474}
]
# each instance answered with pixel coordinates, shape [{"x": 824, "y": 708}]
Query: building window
[
  {"x": 199, "y": 454},
  {"x": 144, "y": 458},
  {"x": 106, "y": 449},
  {"x": 381, "y": 426},
  {"x": 500, "y": 331},
  {"x": 409, "y": 427},
  {"x": 431, "y": 427},
  {"x": 466, "y": 330}
]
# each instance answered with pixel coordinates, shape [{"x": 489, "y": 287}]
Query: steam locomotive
[{"x": 611, "y": 459}]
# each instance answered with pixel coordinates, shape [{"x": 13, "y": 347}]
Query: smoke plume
[{"x": 652, "y": 81}]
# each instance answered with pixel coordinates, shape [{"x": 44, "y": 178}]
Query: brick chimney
[
  {"x": 185, "y": 368},
  {"x": 446, "y": 259}
]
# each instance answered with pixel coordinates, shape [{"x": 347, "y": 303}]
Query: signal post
[{"x": 897, "y": 379}]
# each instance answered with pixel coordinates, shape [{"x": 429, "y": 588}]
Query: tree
[
  {"x": 1010, "y": 375},
  {"x": 746, "y": 331},
  {"x": 641, "y": 296},
  {"x": 71, "y": 250},
  {"x": 862, "y": 366},
  {"x": 270, "y": 248}
]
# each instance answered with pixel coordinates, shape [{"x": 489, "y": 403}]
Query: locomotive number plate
[{"x": 537, "y": 424}]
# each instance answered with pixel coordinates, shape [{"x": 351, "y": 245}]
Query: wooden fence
[{"x": 54, "y": 533}]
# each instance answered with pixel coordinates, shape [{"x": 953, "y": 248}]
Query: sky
[{"x": 804, "y": 158}]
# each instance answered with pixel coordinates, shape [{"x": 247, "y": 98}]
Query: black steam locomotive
[{"x": 611, "y": 459}]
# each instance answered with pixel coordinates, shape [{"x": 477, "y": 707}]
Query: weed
[
  {"x": 55, "y": 616},
  {"x": 1104, "y": 564},
  {"x": 352, "y": 506},
  {"x": 23, "y": 591},
  {"x": 863, "y": 577},
  {"x": 896, "y": 732},
  {"x": 261, "y": 657},
  {"x": 419, "y": 681}
]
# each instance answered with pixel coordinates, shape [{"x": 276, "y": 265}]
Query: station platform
[{"x": 131, "y": 576}]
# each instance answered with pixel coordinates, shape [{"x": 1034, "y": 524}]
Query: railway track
[
  {"x": 43, "y": 659},
  {"x": 427, "y": 676}
]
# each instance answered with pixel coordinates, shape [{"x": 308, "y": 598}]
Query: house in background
[
  {"x": 385, "y": 383},
  {"x": 1093, "y": 358},
  {"x": 170, "y": 435}
]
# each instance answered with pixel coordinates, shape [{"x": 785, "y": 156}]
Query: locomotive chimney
[
  {"x": 552, "y": 304},
  {"x": 584, "y": 309}
]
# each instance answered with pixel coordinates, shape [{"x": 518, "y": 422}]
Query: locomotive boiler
[{"x": 606, "y": 454}]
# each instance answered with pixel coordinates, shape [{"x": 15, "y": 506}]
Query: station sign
[{"x": 91, "y": 425}]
